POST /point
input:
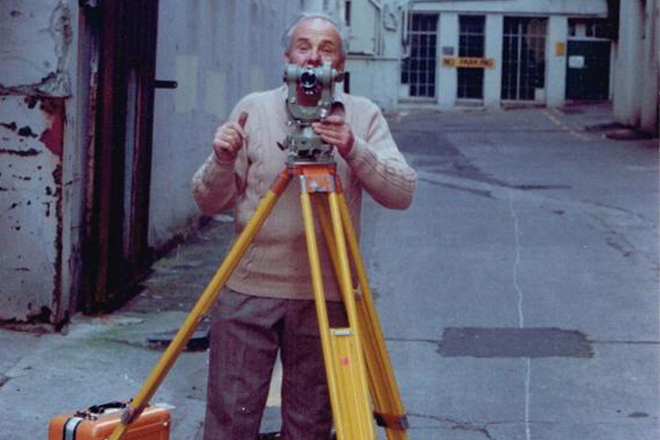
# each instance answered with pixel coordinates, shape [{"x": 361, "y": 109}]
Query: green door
[{"x": 588, "y": 70}]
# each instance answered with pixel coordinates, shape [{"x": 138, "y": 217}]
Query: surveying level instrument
[{"x": 360, "y": 379}]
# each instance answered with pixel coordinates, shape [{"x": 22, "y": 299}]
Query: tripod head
[{"x": 317, "y": 84}]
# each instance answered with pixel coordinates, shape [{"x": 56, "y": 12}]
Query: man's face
[{"x": 314, "y": 42}]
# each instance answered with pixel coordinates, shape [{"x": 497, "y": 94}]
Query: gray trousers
[{"x": 246, "y": 334}]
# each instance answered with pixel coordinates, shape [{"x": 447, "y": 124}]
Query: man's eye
[{"x": 303, "y": 47}]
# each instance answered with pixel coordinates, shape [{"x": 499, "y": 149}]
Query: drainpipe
[{"x": 379, "y": 43}]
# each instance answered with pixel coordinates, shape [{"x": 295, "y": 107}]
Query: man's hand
[
  {"x": 335, "y": 131},
  {"x": 229, "y": 138}
]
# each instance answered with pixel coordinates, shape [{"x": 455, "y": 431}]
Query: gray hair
[{"x": 342, "y": 30}]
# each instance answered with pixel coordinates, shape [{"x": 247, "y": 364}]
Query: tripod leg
[
  {"x": 348, "y": 297},
  {"x": 202, "y": 306},
  {"x": 389, "y": 409},
  {"x": 328, "y": 235},
  {"x": 342, "y": 354}
]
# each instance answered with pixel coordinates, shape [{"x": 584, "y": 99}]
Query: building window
[
  {"x": 523, "y": 58},
  {"x": 471, "y": 44},
  {"x": 589, "y": 28},
  {"x": 419, "y": 66}
]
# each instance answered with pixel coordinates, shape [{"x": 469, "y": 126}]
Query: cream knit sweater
[{"x": 275, "y": 265}]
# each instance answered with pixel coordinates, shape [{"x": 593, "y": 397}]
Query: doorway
[
  {"x": 588, "y": 60},
  {"x": 472, "y": 43},
  {"x": 116, "y": 252},
  {"x": 418, "y": 66},
  {"x": 523, "y": 58},
  {"x": 588, "y": 70}
]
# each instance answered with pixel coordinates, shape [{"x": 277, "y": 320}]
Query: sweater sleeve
[
  {"x": 380, "y": 166},
  {"x": 217, "y": 183}
]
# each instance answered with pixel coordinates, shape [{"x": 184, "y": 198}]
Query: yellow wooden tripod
[{"x": 356, "y": 361}]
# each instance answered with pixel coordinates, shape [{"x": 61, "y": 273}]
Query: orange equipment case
[{"x": 98, "y": 422}]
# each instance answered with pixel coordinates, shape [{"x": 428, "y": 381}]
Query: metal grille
[
  {"x": 418, "y": 69},
  {"x": 523, "y": 57},
  {"x": 471, "y": 44}
]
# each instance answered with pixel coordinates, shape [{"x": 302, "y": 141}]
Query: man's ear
[{"x": 286, "y": 59}]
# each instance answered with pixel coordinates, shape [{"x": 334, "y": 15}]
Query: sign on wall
[
  {"x": 469, "y": 62},
  {"x": 576, "y": 62}
]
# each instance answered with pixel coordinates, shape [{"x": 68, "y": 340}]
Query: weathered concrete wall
[
  {"x": 556, "y": 62},
  {"x": 36, "y": 40},
  {"x": 627, "y": 64},
  {"x": 30, "y": 204},
  {"x": 217, "y": 52},
  {"x": 35, "y": 88},
  {"x": 650, "y": 87}
]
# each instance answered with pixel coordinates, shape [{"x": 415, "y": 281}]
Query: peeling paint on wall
[
  {"x": 31, "y": 139},
  {"x": 53, "y": 110},
  {"x": 35, "y": 79}
]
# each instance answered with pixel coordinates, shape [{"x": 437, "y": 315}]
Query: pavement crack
[
  {"x": 458, "y": 425},
  {"x": 616, "y": 240},
  {"x": 478, "y": 192},
  {"x": 128, "y": 343},
  {"x": 517, "y": 260},
  {"x": 625, "y": 342},
  {"x": 425, "y": 341},
  {"x": 521, "y": 316}
]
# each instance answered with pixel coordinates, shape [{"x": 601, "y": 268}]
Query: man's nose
[{"x": 314, "y": 58}]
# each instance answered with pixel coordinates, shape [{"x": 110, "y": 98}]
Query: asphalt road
[{"x": 519, "y": 294}]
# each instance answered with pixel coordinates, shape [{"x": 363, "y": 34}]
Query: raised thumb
[{"x": 242, "y": 119}]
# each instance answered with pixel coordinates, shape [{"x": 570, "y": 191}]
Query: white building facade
[
  {"x": 492, "y": 53},
  {"x": 483, "y": 53}
]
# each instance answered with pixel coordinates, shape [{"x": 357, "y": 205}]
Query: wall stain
[
  {"x": 31, "y": 101},
  {"x": 11, "y": 126},
  {"x": 26, "y": 132},
  {"x": 53, "y": 137},
  {"x": 23, "y": 153}
]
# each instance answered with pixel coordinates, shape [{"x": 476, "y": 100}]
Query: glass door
[{"x": 523, "y": 58}]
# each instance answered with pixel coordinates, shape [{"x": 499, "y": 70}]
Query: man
[{"x": 268, "y": 303}]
